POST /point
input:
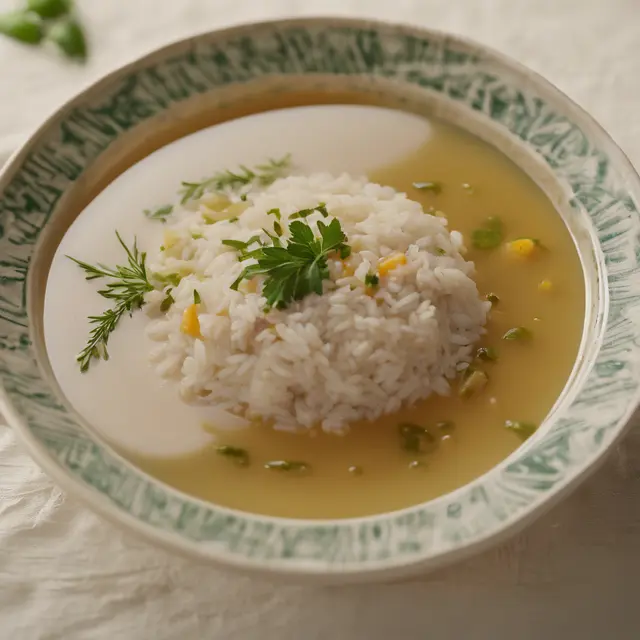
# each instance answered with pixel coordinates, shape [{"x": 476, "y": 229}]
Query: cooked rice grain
[{"x": 353, "y": 353}]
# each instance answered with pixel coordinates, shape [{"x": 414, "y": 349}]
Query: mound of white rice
[{"x": 352, "y": 353}]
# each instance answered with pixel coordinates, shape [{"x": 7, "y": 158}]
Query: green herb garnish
[
  {"x": 196, "y": 297},
  {"x": 297, "y": 269},
  {"x": 434, "y": 187},
  {"x": 489, "y": 235},
  {"x": 492, "y": 298},
  {"x": 518, "y": 333},
  {"x": 165, "y": 305},
  {"x": 238, "y": 455},
  {"x": 277, "y": 227},
  {"x": 22, "y": 26},
  {"x": 275, "y": 212},
  {"x": 371, "y": 280},
  {"x": 416, "y": 439},
  {"x": 238, "y": 245},
  {"x": 305, "y": 213},
  {"x": 196, "y": 235},
  {"x": 263, "y": 175},
  {"x": 69, "y": 36},
  {"x": 523, "y": 430},
  {"x": 161, "y": 213},
  {"x": 49, "y": 8},
  {"x": 127, "y": 289},
  {"x": 488, "y": 354},
  {"x": 474, "y": 382},
  {"x": 287, "y": 465}
]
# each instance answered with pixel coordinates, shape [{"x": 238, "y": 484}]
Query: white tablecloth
[{"x": 64, "y": 573}]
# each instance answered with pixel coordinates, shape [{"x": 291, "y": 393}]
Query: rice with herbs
[{"x": 361, "y": 349}]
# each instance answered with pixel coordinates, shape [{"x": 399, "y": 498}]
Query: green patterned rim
[{"x": 596, "y": 191}]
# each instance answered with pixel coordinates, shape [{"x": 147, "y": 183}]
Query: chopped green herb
[
  {"x": 238, "y": 455},
  {"x": 69, "y": 36},
  {"x": 305, "y": 213},
  {"x": 287, "y": 465},
  {"x": 161, "y": 213},
  {"x": 127, "y": 289},
  {"x": 49, "y": 8},
  {"x": 196, "y": 297},
  {"x": 275, "y": 212},
  {"x": 165, "y": 305},
  {"x": 488, "y": 354},
  {"x": 239, "y": 245},
  {"x": 489, "y": 235},
  {"x": 243, "y": 197},
  {"x": 171, "y": 278},
  {"x": 518, "y": 333},
  {"x": 263, "y": 175},
  {"x": 371, "y": 280},
  {"x": 434, "y": 187},
  {"x": 196, "y": 235},
  {"x": 523, "y": 430},
  {"x": 22, "y": 26},
  {"x": 234, "y": 219},
  {"x": 416, "y": 439},
  {"x": 277, "y": 228},
  {"x": 492, "y": 298},
  {"x": 297, "y": 269},
  {"x": 474, "y": 383},
  {"x": 440, "y": 252},
  {"x": 355, "y": 470}
]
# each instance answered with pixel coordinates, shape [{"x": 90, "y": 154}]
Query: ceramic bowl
[{"x": 156, "y": 99}]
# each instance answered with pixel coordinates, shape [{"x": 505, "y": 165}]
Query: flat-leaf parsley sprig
[
  {"x": 127, "y": 288},
  {"x": 262, "y": 175},
  {"x": 297, "y": 268}
]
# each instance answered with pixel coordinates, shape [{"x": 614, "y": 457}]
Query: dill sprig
[
  {"x": 263, "y": 175},
  {"x": 298, "y": 268},
  {"x": 127, "y": 288}
]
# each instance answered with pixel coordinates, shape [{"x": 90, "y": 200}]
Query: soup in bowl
[{"x": 341, "y": 323}]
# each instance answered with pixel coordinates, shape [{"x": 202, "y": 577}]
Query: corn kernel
[
  {"x": 524, "y": 247},
  {"x": 545, "y": 286},
  {"x": 390, "y": 263},
  {"x": 190, "y": 323}
]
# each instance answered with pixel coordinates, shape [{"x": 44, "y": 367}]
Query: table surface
[{"x": 65, "y": 573}]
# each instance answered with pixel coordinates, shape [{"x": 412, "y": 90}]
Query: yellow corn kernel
[
  {"x": 190, "y": 323},
  {"x": 390, "y": 263},
  {"x": 545, "y": 286},
  {"x": 523, "y": 247}
]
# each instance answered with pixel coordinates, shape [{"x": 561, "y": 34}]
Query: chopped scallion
[
  {"x": 488, "y": 354},
  {"x": 518, "y": 333},
  {"x": 489, "y": 235},
  {"x": 474, "y": 383},
  {"x": 523, "y": 430},
  {"x": 433, "y": 187},
  {"x": 238, "y": 455},
  {"x": 287, "y": 465}
]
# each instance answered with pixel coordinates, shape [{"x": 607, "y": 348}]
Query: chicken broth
[{"x": 526, "y": 262}]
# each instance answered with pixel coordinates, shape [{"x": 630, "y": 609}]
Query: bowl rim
[{"x": 300, "y": 569}]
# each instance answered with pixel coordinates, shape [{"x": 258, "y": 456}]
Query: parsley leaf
[{"x": 298, "y": 268}]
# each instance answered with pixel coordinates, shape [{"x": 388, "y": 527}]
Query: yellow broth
[{"x": 477, "y": 182}]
